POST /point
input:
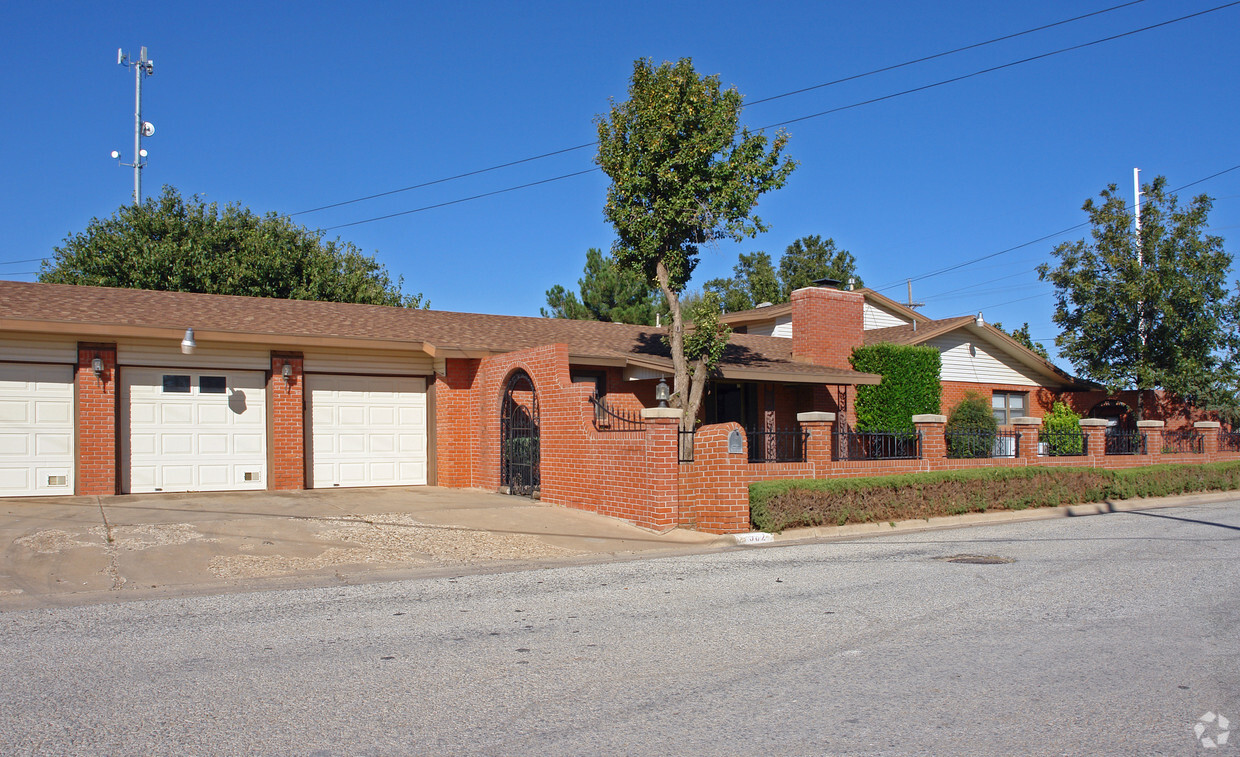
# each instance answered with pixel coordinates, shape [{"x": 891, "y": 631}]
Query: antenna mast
[{"x": 143, "y": 66}]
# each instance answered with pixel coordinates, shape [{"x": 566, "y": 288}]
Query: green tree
[
  {"x": 1061, "y": 430},
  {"x": 811, "y": 258},
  {"x": 1148, "y": 311},
  {"x": 169, "y": 243},
  {"x": 682, "y": 176},
  {"x": 971, "y": 428},
  {"x": 753, "y": 282},
  {"x": 608, "y": 293},
  {"x": 1022, "y": 337}
]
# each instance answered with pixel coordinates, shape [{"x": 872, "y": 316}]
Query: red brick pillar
[
  {"x": 1028, "y": 429},
  {"x": 1209, "y": 431},
  {"x": 933, "y": 443},
  {"x": 1095, "y": 430},
  {"x": 96, "y": 420},
  {"x": 1153, "y": 433},
  {"x": 662, "y": 467},
  {"x": 288, "y": 430},
  {"x": 820, "y": 444}
]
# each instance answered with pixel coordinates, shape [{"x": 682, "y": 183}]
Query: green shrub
[
  {"x": 971, "y": 428},
  {"x": 910, "y": 385},
  {"x": 1062, "y": 431},
  {"x": 782, "y": 504}
]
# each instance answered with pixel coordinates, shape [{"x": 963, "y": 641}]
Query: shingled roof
[{"x": 102, "y": 313}]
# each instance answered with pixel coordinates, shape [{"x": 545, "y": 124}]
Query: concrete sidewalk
[{"x": 74, "y": 550}]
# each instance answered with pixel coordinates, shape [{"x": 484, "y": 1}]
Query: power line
[
  {"x": 27, "y": 260},
  {"x": 853, "y": 77},
  {"x": 783, "y": 123}
]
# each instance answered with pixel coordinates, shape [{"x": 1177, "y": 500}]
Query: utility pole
[{"x": 143, "y": 66}]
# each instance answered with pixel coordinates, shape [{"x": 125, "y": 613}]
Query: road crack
[{"x": 112, "y": 571}]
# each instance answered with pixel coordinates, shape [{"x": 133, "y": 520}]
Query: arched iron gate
[{"x": 519, "y": 454}]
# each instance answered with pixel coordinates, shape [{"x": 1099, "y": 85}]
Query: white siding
[
  {"x": 28, "y": 349},
  {"x": 975, "y": 361},
  {"x": 875, "y": 317},
  {"x": 781, "y": 326},
  {"x": 166, "y": 353},
  {"x": 369, "y": 362}
]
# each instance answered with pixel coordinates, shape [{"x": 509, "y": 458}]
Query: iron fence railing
[
  {"x": 1186, "y": 440},
  {"x": 982, "y": 444},
  {"x": 777, "y": 446},
  {"x": 1063, "y": 444},
  {"x": 1125, "y": 443},
  {"x": 685, "y": 444},
  {"x": 876, "y": 445},
  {"x": 1229, "y": 441},
  {"x": 613, "y": 419}
]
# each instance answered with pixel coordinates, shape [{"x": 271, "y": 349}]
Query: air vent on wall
[
  {"x": 57, "y": 480},
  {"x": 252, "y": 476}
]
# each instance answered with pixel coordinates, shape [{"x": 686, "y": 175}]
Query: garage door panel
[
  {"x": 367, "y": 430},
  {"x": 36, "y": 429},
  {"x": 193, "y": 430}
]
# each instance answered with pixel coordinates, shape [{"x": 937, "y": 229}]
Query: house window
[
  {"x": 212, "y": 385},
  {"x": 598, "y": 378},
  {"x": 1008, "y": 405},
  {"x": 177, "y": 384}
]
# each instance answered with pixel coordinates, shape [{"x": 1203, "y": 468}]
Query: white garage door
[
  {"x": 367, "y": 430},
  {"x": 192, "y": 430},
  {"x": 36, "y": 429}
]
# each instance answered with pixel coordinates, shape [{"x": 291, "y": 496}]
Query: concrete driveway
[{"x": 72, "y": 550}]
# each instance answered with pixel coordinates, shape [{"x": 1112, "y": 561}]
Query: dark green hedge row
[
  {"x": 910, "y": 385},
  {"x": 783, "y": 504}
]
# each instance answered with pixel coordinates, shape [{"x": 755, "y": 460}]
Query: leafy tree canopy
[
  {"x": 1022, "y": 337},
  {"x": 683, "y": 173},
  {"x": 170, "y": 243},
  {"x": 1152, "y": 310},
  {"x": 608, "y": 293},
  {"x": 755, "y": 281}
]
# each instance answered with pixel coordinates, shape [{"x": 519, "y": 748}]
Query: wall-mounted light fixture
[
  {"x": 287, "y": 371},
  {"x": 96, "y": 366},
  {"x": 662, "y": 393},
  {"x": 188, "y": 345}
]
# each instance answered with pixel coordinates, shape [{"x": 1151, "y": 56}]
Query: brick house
[{"x": 107, "y": 391}]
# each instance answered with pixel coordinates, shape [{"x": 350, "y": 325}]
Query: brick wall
[
  {"x": 826, "y": 325},
  {"x": 288, "y": 423},
  {"x": 1039, "y": 399},
  {"x": 97, "y": 400}
]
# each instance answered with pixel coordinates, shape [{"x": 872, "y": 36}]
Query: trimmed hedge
[
  {"x": 783, "y": 504},
  {"x": 910, "y": 385}
]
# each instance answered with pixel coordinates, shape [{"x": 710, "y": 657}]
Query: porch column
[
  {"x": 1095, "y": 430},
  {"x": 1027, "y": 447},
  {"x": 1209, "y": 431},
  {"x": 1153, "y": 431},
  {"x": 662, "y": 482},
  {"x": 933, "y": 443},
  {"x": 821, "y": 428}
]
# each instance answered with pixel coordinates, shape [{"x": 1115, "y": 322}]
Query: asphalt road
[{"x": 1104, "y": 635}]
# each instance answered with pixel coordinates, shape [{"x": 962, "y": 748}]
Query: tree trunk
[{"x": 687, "y": 390}]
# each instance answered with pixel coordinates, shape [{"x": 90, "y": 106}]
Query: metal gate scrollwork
[{"x": 519, "y": 448}]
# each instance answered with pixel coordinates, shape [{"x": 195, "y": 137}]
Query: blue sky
[{"x": 286, "y": 107}]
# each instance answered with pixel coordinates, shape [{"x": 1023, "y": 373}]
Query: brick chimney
[{"x": 826, "y": 325}]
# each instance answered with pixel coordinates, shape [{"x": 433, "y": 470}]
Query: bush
[
  {"x": 1061, "y": 429},
  {"x": 782, "y": 504},
  {"x": 971, "y": 428},
  {"x": 910, "y": 385}
]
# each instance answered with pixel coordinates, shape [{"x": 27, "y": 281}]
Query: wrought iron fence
[
  {"x": 1125, "y": 443},
  {"x": 1229, "y": 441},
  {"x": 982, "y": 444},
  {"x": 612, "y": 419},
  {"x": 1186, "y": 440},
  {"x": 876, "y": 445},
  {"x": 1063, "y": 444},
  {"x": 777, "y": 446},
  {"x": 685, "y": 439}
]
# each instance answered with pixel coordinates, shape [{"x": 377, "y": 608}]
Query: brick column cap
[
  {"x": 651, "y": 413},
  {"x": 1151, "y": 424},
  {"x": 1026, "y": 420},
  {"x": 1093, "y": 422},
  {"x": 815, "y": 417},
  {"x": 929, "y": 418},
  {"x": 1207, "y": 424}
]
